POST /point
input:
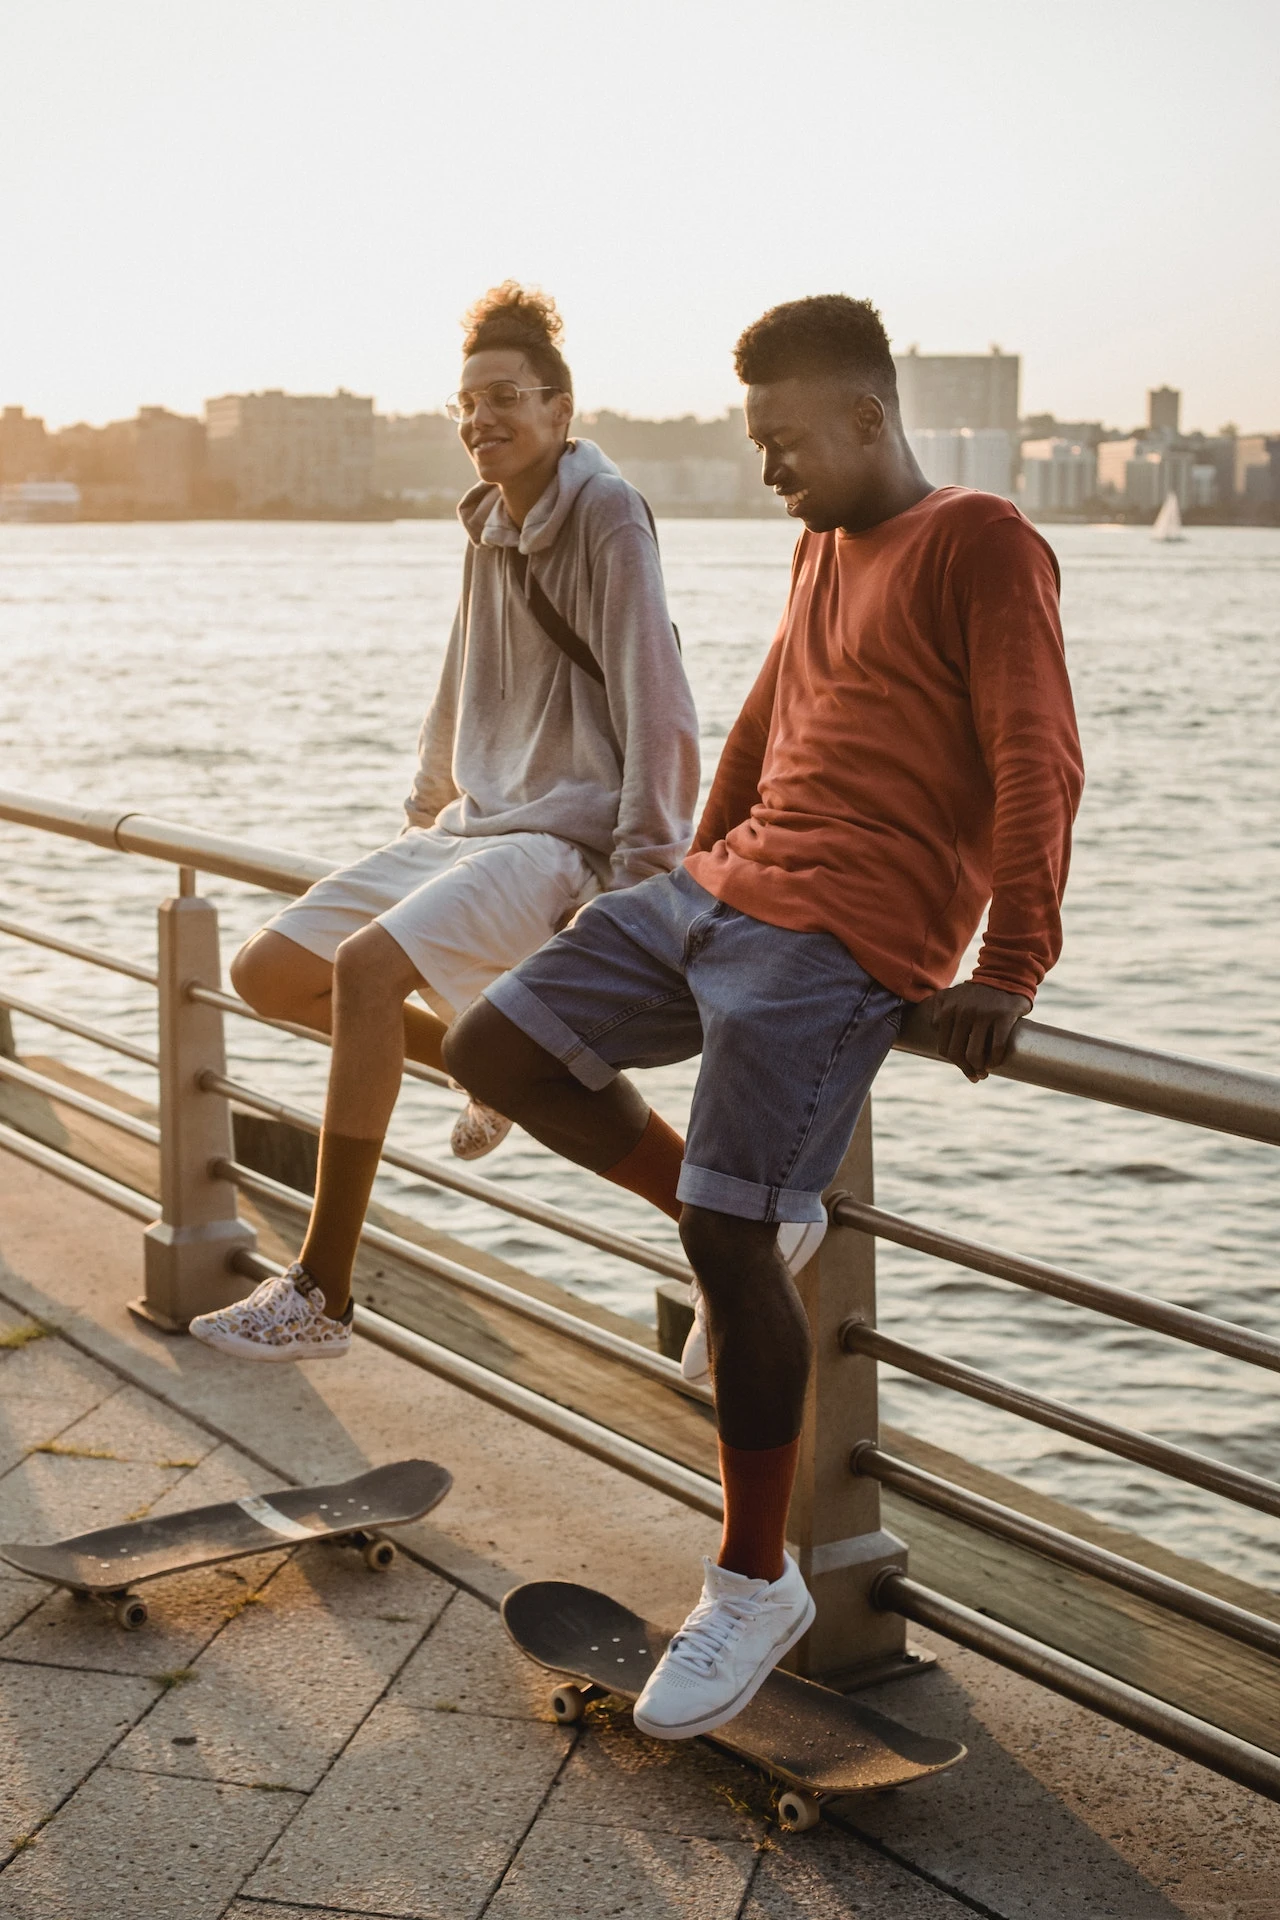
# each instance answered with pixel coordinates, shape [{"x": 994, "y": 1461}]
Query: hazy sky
[{"x": 201, "y": 196}]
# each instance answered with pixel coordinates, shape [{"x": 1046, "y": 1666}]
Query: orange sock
[
  {"x": 757, "y": 1496},
  {"x": 344, "y": 1181},
  {"x": 652, "y": 1168}
]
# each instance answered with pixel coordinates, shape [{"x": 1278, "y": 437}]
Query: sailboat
[{"x": 1168, "y": 523}]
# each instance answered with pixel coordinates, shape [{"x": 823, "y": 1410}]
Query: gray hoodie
[{"x": 518, "y": 738}]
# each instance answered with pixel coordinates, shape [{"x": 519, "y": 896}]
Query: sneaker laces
[
  {"x": 278, "y": 1301},
  {"x": 710, "y": 1628}
]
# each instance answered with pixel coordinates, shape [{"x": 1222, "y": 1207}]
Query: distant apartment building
[
  {"x": 292, "y": 452},
  {"x": 1142, "y": 473},
  {"x": 1164, "y": 406},
  {"x": 696, "y": 485},
  {"x": 980, "y": 457},
  {"x": 25, "y": 447},
  {"x": 941, "y": 390},
  {"x": 1058, "y": 475},
  {"x": 168, "y": 461},
  {"x": 419, "y": 459},
  {"x": 39, "y": 500},
  {"x": 1257, "y": 468}
]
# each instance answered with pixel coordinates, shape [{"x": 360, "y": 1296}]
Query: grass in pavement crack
[
  {"x": 176, "y": 1677},
  {"x": 22, "y": 1336},
  {"x": 73, "y": 1453}
]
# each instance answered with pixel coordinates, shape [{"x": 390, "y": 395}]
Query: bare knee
[
  {"x": 494, "y": 1060},
  {"x": 724, "y": 1250},
  {"x": 278, "y": 978},
  {"x": 371, "y": 971}
]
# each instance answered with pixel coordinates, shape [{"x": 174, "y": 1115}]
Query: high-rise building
[
  {"x": 941, "y": 390},
  {"x": 1058, "y": 476},
  {"x": 980, "y": 457},
  {"x": 24, "y": 447},
  {"x": 1164, "y": 405},
  {"x": 169, "y": 459},
  {"x": 301, "y": 451}
]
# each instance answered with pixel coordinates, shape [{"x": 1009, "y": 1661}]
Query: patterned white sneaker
[
  {"x": 798, "y": 1241},
  {"x": 477, "y": 1131},
  {"x": 283, "y": 1319},
  {"x": 724, "y": 1652}
]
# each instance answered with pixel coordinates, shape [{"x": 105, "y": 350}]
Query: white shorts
[{"x": 464, "y": 910}]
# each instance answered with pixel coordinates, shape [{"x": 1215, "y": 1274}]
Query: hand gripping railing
[{"x": 856, "y": 1570}]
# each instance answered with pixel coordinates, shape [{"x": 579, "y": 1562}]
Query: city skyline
[{"x": 232, "y": 199}]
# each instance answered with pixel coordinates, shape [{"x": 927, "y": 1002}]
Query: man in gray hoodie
[{"x": 559, "y": 760}]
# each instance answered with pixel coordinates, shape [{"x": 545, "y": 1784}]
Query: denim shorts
[{"x": 790, "y": 1028}]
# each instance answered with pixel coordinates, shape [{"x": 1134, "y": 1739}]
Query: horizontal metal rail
[
  {"x": 482, "y": 1286},
  {"x": 1006, "y": 1523},
  {"x": 1183, "y": 1733},
  {"x": 93, "y": 955},
  {"x": 81, "y": 1102},
  {"x": 587, "y": 1436},
  {"x": 1160, "y": 1316},
  {"x": 1199, "y": 1092},
  {"x": 36, "y": 1010},
  {"x": 1179, "y": 1463},
  {"x": 1169, "y": 1085},
  {"x": 470, "y": 1184},
  {"x": 228, "y": 1003},
  {"x": 126, "y": 1199}
]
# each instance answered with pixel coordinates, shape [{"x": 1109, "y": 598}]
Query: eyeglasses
[{"x": 504, "y": 396}]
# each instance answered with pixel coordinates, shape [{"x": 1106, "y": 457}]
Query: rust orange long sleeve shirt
[{"x": 909, "y": 751}]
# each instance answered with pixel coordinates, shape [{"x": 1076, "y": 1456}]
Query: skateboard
[
  {"x": 107, "y": 1565},
  {"x": 814, "y": 1742}
]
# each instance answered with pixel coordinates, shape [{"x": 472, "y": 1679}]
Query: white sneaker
[
  {"x": 724, "y": 1652},
  {"x": 477, "y": 1131},
  {"x": 282, "y": 1319},
  {"x": 798, "y": 1241}
]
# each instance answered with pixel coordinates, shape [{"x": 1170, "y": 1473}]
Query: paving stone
[
  {"x": 51, "y": 1495},
  {"x": 827, "y": 1875},
  {"x": 17, "y": 1598},
  {"x": 27, "y": 1420},
  {"x": 467, "y": 1664},
  {"x": 134, "y": 1426},
  {"x": 224, "y": 1474},
  {"x": 272, "y": 1910},
  {"x": 284, "y": 1686},
  {"x": 54, "y": 1727},
  {"x": 616, "y": 1777},
  {"x": 566, "y": 1868},
  {"x": 419, "y": 1817},
  {"x": 132, "y": 1846},
  {"x": 52, "y": 1369}
]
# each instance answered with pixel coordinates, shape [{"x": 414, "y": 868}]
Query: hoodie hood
[{"x": 487, "y": 522}]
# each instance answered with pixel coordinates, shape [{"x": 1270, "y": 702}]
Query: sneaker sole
[
  {"x": 239, "y": 1348},
  {"x": 690, "y": 1729}
]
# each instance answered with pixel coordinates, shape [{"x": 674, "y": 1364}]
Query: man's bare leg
[{"x": 287, "y": 982}]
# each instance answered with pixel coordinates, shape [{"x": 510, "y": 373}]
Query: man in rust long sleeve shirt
[{"x": 907, "y": 754}]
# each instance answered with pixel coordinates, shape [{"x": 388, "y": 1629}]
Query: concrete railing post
[
  {"x": 188, "y": 1249},
  {"x": 835, "y": 1513}
]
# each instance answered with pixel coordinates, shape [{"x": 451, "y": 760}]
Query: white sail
[{"x": 1168, "y": 524}]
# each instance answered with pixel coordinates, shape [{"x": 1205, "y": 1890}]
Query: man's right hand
[{"x": 973, "y": 1024}]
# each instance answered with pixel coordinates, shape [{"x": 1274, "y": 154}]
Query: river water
[{"x": 268, "y": 681}]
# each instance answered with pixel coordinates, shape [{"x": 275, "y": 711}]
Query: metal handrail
[
  {"x": 1120, "y": 1303},
  {"x": 1006, "y": 1523},
  {"x": 93, "y": 955},
  {"x": 471, "y": 1184},
  {"x": 82, "y": 1102},
  {"x": 1171, "y": 1086},
  {"x": 467, "y": 1280},
  {"x": 1179, "y": 1463},
  {"x": 228, "y": 1003},
  {"x": 36, "y": 1010},
  {"x": 1238, "y": 1759}
]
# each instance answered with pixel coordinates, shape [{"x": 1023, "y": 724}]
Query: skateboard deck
[
  {"x": 816, "y": 1742},
  {"x": 108, "y": 1564}
]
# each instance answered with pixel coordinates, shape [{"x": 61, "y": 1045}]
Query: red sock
[
  {"x": 652, "y": 1168},
  {"x": 757, "y": 1495}
]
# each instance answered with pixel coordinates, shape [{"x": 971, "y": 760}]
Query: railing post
[
  {"x": 835, "y": 1513},
  {"x": 188, "y": 1249}
]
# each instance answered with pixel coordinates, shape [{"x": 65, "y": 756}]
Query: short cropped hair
[
  {"x": 521, "y": 317},
  {"x": 828, "y": 333}
]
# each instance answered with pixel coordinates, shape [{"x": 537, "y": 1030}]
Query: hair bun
[{"x": 522, "y": 318}]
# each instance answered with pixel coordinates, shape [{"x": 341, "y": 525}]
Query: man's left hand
[{"x": 973, "y": 1024}]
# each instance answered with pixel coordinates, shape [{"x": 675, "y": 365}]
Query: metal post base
[{"x": 188, "y": 1271}]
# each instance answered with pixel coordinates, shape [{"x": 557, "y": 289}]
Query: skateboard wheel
[
  {"x": 131, "y": 1613},
  {"x": 379, "y": 1555},
  {"x": 568, "y": 1703},
  {"x": 798, "y": 1811}
]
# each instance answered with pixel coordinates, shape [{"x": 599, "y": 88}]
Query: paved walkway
[{"x": 294, "y": 1736}]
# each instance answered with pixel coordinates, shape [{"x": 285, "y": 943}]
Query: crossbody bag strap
[{"x": 553, "y": 624}]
